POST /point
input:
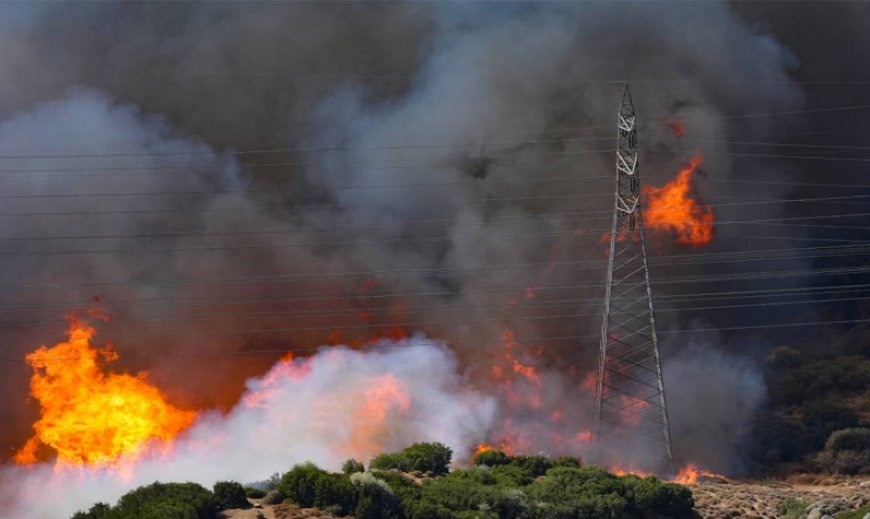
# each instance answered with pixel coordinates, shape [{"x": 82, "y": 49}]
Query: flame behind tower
[{"x": 671, "y": 208}]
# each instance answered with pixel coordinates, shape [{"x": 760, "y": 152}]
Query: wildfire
[
  {"x": 671, "y": 208},
  {"x": 620, "y": 471},
  {"x": 89, "y": 415},
  {"x": 387, "y": 397},
  {"x": 485, "y": 447},
  {"x": 689, "y": 475}
]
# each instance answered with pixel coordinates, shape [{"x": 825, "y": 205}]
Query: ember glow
[
  {"x": 90, "y": 415},
  {"x": 677, "y": 127},
  {"x": 671, "y": 208}
]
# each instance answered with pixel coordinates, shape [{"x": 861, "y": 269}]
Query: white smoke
[{"x": 337, "y": 404}]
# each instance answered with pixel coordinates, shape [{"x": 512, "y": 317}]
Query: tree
[
  {"x": 230, "y": 494},
  {"x": 429, "y": 457},
  {"x": 351, "y": 466},
  {"x": 299, "y": 484},
  {"x": 491, "y": 458}
]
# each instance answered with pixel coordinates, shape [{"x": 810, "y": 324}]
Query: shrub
[
  {"x": 230, "y": 494},
  {"x": 390, "y": 460},
  {"x": 352, "y": 466},
  {"x": 855, "y": 514},
  {"x": 491, "y": 458},
  {"x": 429, "y": 457},
  {"x": 566, "y": 461},
  {"x": 376, "y": 499},
  {"x": 856, "y": 439},
  {"x": 821, "y": 378},
  {"x": 784, "y": 357},
  {"x": 273, "y": 497},
  {"x": 254, "y": 493},
  {"x": 335, "y": 491},
  {"x": 822, "y": 417},
  {"x": 849, "y": 462},
  {"x": 98, "y": 511},
  {"x": 298, "y": 484},
  {"x": 792, "y": 508},
  {"x": 174, "y": 499},
  {"x": 658, "y": 499},
  {"x": 425, "y": 457},
  {"x": 535, "y": 465},
  {"x": 167, "y": 510}
]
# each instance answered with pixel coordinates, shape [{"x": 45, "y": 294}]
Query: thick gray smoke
[
  {"x": 333, "y": 406},
  {"x": 433, "y": 168}
]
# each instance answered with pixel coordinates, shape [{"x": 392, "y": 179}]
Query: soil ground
[{"x": 763, "y": 500}]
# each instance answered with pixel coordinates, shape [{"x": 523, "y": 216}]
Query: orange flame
[
  {"x": 689, "y": 475},
  {"x": 485, "y": 447},
  {"x": 620, "y": 471},
  {"x": 481, "y": 448},
  {"x": 670, "y": 208},
  {"x": 88, "y": 415}
]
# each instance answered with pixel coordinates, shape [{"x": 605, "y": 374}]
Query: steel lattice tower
[{"x": 630, "y": 397}]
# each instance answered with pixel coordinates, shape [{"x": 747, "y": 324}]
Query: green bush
[
  {"x": 254, "y": 493},
  {"x": 792, "y": 508},
  {"x": 299, "y": 484},
  {"x": 429, "y": 457},
  {"x": 518, "y": 490},
  {"x": 854, "y": 439},
  {"x": 166, "y": 510},
  {"x": 425, "y": 457},
  {"x": 352, "y": 466},
  {"x": 98, "y": 511},
  {"x": 566, "y": 461},
  {"x": 390, "y": 460},
  {"x": 376, "y": 498},
  {"x": 855, "y": 514},
  {"x": 158, "y": 501},
  {"x": 335, "y": 491},
  {"x": 535, "y": 465},
  {"x": 181, "y": 499},
  {"x": 491, "y": 458},
  {"x": 230, "y": 494}
]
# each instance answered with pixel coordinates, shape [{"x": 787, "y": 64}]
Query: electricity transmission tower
[{"x": 630, "y": 399}]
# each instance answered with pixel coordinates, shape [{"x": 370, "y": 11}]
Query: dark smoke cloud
[{"x": 461, "y": 103}]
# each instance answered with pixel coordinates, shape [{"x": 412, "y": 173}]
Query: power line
[
  {"x": 472, "y": 342},
  {"x": 481, "y": 142},
  {"x": 659, "y": 261},
  {"x": 328, "y": 296},
  {"x": 402, "y": 224}
]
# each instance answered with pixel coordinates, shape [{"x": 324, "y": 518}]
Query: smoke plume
[{"x": 339, "y": 174}]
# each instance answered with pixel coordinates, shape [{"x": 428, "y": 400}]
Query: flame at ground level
[
  {"x": 88, "y": 415},
  {"x": 671, "y": 208},
  {"x": 690, "y": 474}
]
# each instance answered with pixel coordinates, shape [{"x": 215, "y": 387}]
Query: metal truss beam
[{"x": 628, "y": 312}]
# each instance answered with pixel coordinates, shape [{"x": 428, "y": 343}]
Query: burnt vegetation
[{"x": 496, "y": 486}]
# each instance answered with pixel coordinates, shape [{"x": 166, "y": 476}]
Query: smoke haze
[{"x": 415, "y": 172}]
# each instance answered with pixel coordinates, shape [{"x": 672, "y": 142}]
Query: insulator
[
  {"x": 631, "y": 222},
  {"x": 635, "y": 185}
]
